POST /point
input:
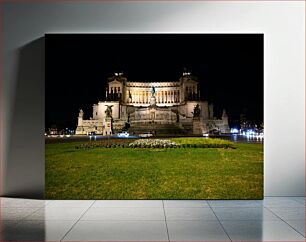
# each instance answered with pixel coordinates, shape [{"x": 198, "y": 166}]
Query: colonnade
[{"x": 166, "y": 96}]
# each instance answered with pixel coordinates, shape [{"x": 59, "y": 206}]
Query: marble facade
[{"x": 135, "y": 104}]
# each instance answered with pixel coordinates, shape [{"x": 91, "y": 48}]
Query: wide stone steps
[{"x": 158, "y": 129}]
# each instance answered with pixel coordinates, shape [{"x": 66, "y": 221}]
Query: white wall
[{"x": 282, "y": 23}]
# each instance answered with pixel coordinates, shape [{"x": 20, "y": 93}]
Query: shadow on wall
[
  {"x": 24, "y": 167},
  {"x": 29, "y": 230}
]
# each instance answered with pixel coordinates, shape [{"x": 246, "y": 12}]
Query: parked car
[
  {"x": 123, "y": 134},
  {"x": 206, "y": 134},
  {"x": 144, "y": 135}
]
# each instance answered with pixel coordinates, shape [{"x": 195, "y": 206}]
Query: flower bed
[
  {"x": 158, "y": 143},
  {"x": 153, "y": 143},
  {"x": 105, "y": 143},
  {"x": 203, "y": 143}
]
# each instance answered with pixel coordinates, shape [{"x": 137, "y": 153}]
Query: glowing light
[
  {"x": 123, "y": 134},
  {"x": 234, "y": 131},
  {"x": 252, "y": 134}
]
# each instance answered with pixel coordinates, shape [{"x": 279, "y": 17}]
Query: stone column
[{"x": 143, "y": 96}]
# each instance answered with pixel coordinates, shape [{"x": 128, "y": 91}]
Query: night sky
[{"x": 229, "y": 68}]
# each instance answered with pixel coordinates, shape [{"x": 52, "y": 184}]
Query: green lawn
[{"x": 143, "y": 173}]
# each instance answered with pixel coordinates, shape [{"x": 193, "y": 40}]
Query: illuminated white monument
[{"x": 153, "y": 106}]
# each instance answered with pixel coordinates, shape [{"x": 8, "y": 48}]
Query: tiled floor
[{"x": 273, "y": 219}]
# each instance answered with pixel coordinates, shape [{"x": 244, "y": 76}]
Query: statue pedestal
[
  {"x": 196, "y": 126},
  {"x": 153, "y": 101},
  {"x": 108, "y": 127}
]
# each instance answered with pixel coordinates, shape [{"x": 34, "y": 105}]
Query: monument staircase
[
  {"x": 187, "y": 127},
  {"x": 159, "y": 129}
]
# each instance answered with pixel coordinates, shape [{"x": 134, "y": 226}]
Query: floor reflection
[{"x": 271, "y": 219}]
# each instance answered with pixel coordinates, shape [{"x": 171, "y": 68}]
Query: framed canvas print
[{"x": 154, "y": 116}]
